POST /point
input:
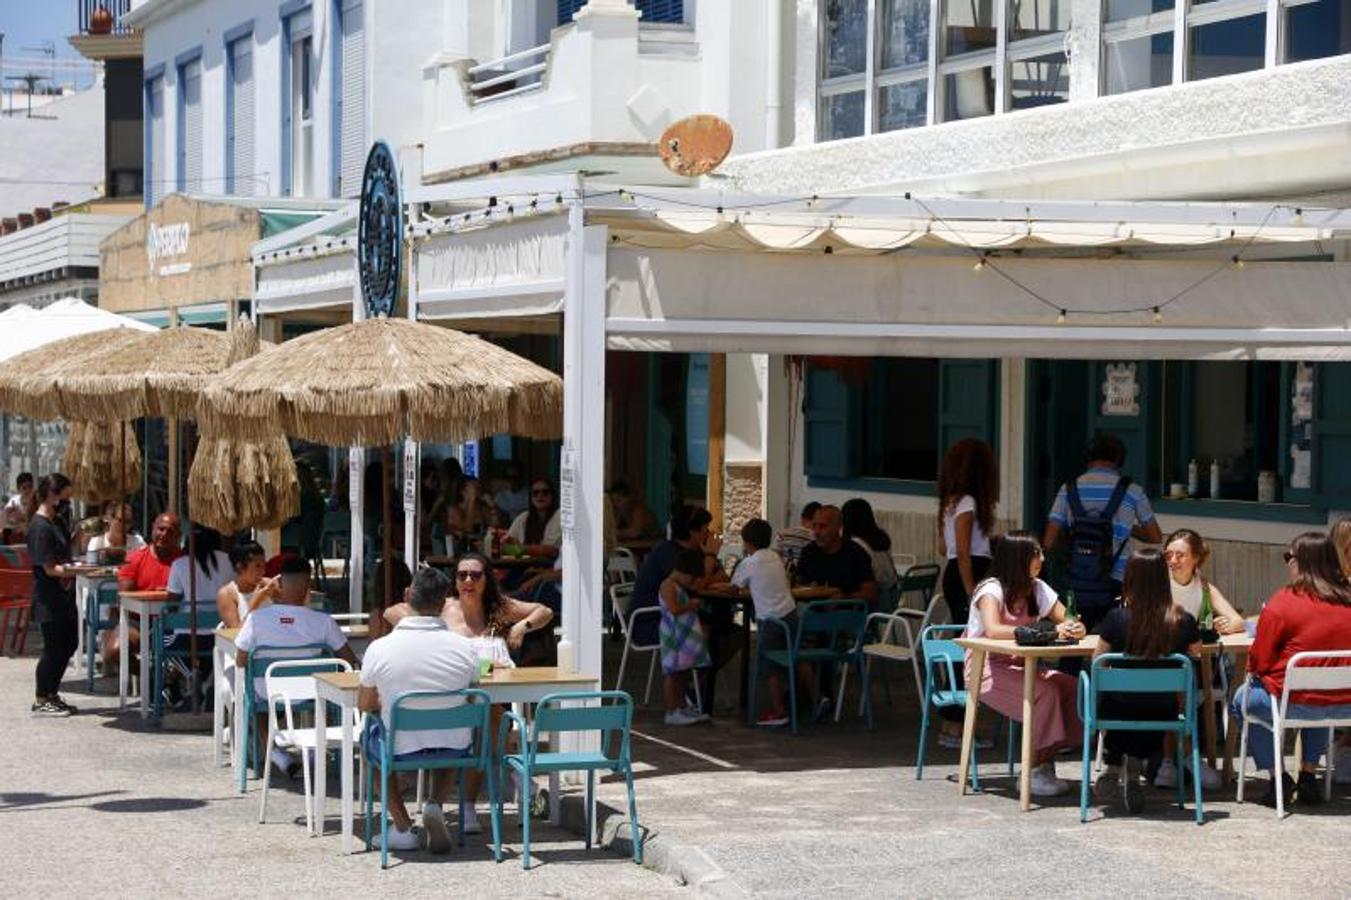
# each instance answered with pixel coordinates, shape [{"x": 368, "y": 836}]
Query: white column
[
  {"x": 412, "y": 452},
  {"x": 779, "y": 438},
  {"x": 584, "y": 440}
]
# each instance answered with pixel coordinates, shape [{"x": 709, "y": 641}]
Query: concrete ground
[
  {"x": 837, "y": 809},
  {"x": 99, "y": 802},
  {"x": 101, "y": 799}
]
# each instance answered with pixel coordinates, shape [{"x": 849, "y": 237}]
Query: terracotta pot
[{"x": 100, "y": 21}]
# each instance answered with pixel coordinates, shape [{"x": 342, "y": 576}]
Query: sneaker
[
  {"x": 1046, "y": 784},
  {"x": 434, "y": 824},
  {"x": 469, "y": 816},
  {"x": 1342, "y": 772},
  {"x": 1269, "y": 798},
  {"x": 539, "y": 802},
  {"x": 1167, "y": 775},
  {"x": 692, "y": 710},
  {"x": 61, "y": 702},
  {"x": 1133, "y": 792},
  {"x": 48, "y": 709},
  {"x": 681, "y": 717},
  {"x": 1210, "y": 779},
  {"x": 772, "y": 718},
  {"x": 285, "y": 762},
  {"x": 1108, "y": 786},
  {"x": 404, "y": 840},
  {"x": 1310, "y": 791},
  {"x": 950, "y": 741}
]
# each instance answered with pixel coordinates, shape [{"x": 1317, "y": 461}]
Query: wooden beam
[{"x": 717, "y": 437}]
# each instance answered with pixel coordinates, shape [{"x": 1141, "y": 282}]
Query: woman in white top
[
  {"x": 1186, "y": 552},
  {"x": 1014, "y": 595},
  {"x": 213, "y": 570},
  {"x": 860, "y": 526},
  {"x": 250, "y": 590},
  {"x": 538, "y": 530},
  {"x": 117, "y": 536}
]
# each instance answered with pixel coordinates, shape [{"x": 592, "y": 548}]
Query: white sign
[
  {"x": 410, "y": 477},
  {"x": 1120, "y": 391},
  {"x": 567, "y": 490},
  {"x": 354, "y": 478},
  {"x": 163, "y": 241}
]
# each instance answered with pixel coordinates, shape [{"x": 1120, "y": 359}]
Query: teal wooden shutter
[
  {"x": 831, "y": 422},
  {"x": 968, "y": 401},
  {"x": 1332, "y": 435}
]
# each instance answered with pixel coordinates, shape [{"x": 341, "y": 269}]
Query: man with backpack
[{"x": 1098, "y": 514}]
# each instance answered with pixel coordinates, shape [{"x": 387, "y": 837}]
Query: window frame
[
  {"x": 182, "y": 63},
  {"x": 231, "y": 41}
]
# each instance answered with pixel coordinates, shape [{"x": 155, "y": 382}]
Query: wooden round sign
[{"x": 696, "y": 145}]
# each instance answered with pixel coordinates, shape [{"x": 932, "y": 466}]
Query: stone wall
[{"x": 743, "y": 495}]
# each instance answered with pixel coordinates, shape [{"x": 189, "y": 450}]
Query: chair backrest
[
  {"x": 1328, "y": 670},
  {"x": 561, "y": 712},
  {"x": 16, "y": 584},
  {"x": 1170, "y": 674},
  {"x": 15, "y": 556},
  {"x": 841, "y": 620},
  {"x": 207, "y": 619},
  {"x": 291, "y": 681},
  {"x": 106, "y": 596},
  {"x": 261, "y": 657},
  {"x": 623, "y": 566},
  {"x": 621, "y": 597},
  {"x": 440, "y": 711},
  {"x": 921, "y": 579},
  {"x": 936, "y": 642}
]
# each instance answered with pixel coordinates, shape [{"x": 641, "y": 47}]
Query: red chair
[{"x": 16, "y": 601}]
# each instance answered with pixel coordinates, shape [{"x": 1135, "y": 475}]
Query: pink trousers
[{"x": 1055, "y": 718}]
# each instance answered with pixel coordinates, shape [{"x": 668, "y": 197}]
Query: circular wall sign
[{"x": 380, "y": 232}]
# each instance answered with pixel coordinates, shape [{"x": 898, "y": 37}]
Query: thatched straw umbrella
[
  {"x": 372, "y": 382},
  {"x": 28, "y": 385},
  {"x": 243, "y": 484},
  {"x": 98, "y": 468}
]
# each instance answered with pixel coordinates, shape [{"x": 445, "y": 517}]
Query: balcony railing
[
  {"x": 510, "y": 75},
  {"x": 102, "y": 17}
]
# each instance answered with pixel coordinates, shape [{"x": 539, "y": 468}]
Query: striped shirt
[{"x": 1095, "y": 490}]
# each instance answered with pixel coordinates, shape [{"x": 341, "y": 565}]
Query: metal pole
[{"x": 387, "y": 551}]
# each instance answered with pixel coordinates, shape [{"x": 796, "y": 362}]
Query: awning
[
  {"x": 311, "y": 266},
  {"x": 31, "y": 328}
]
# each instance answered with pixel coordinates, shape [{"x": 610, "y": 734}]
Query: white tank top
[
  {"x": 1188, "y": 596},
  {"x": 245, "y": 599}
]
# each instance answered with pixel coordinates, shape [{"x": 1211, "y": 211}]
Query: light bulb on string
[
  {"x": 1060, "y": 319},
  {"x": 626, "y": 195},
  {"x": 812, "y": 201},
  {"x": 1158, "y": 315},
  {"x": 1238, "y": 262},
  {"x": 980, "y": 264},
  {"x": 722, "y": 215}
]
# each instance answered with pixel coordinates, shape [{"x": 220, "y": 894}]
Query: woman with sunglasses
[
  {"x": 1311, "y": 613},
  {"x": 478, "y": 610},
  {"x": 538, "y": 530}
]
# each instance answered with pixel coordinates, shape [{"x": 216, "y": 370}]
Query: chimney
[
  {"x": 42, "y": 214},
  {"x": 25, "y": 220},
  {"x": 9, "y": 226}
]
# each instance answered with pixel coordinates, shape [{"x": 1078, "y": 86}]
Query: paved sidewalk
[
  {"x": 837, "y": 809},
  {"x": 100, "y": 803}
]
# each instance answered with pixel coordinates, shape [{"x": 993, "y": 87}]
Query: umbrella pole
[
  {"x": 387, "y": 549},
  {"x": 195, "y": 681}
]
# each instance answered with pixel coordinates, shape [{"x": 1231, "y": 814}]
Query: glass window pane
[
  {"x": 968, "y": 26},
  {"x": 1030, "y": 18},
  {"x": 1039, "y": 81},
  {"x": 1139, "y": 63},
  {"x": 841, "y": 116},
  {"x": 1118, "y": 10},
  {"x": 903, "y": 30},
  {"x": 1225, "y": 48},
  {"x": 903, "y": 105},
  {"x": 969, "y": 94},
  {"x": 846, "y": 37},
  {"x": 1318, "y": 29}
]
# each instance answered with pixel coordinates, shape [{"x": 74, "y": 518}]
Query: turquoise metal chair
[
  {"x": 921, "y": 580},
  {"x": 98, "y": 606},
  {"x": 161, "y": 655},
  {"x": 254, "y": 671},
  {"x": 432, "y": 711},
  {"x": 942, "y": 655},
  {"x": 829, "y": 632},
  {"x": 1165, "y": 675},
  {"x": 564, "y": 713}
]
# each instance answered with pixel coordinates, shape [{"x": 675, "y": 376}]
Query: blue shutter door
[
  {"x": 670, "y": 11},
  {"x": 567, "y": 9},
  {"x": 1332, "y": 435},
  {"x": 831, "y": 447},
  {"x": 968, "y": 401}
]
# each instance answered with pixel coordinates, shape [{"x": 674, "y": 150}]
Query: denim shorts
[{"x": 374, "y": 740}]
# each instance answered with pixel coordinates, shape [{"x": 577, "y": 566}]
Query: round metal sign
[{"x": 380, "y": 232}]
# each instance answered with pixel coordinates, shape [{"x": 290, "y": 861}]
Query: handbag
[{"x": 1041, "y": 633}]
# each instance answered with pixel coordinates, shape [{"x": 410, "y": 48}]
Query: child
[
  {"x": 763, "y": 573},
  {"x": 683, "y": 644}
]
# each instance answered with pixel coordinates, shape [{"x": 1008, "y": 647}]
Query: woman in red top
[{"x": 1311, "y": 613}]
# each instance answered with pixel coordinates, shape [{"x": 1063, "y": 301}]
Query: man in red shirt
[{"x": 145, "y": 570}]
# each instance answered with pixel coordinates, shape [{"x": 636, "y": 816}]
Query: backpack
[{"x": 1091, "y": 538}]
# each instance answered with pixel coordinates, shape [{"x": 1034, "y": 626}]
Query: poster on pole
[
  {"x": 567, "y": 490},
  {"x": 469, "y": 459},
  {"x": 354, "y": 478},
  {"x": 410, "y": 474}
]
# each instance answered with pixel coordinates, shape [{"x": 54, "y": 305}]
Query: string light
[
  {"x": 980, "y": 264},
  {"x": 812, "y": 201},
  {"x": 1238, "y": 262},
  {"x": 626, "y": 195},
  {"x": 1158, "y": 315},
  {"x": 511, "y": 213},
  {"x": 1060, "y": 319}
]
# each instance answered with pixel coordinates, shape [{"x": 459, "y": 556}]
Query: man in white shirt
[
  {"x": 763, "y": 573},
  {"x": 420, "y": 654},
  {"x": 19, "y": 510},
  {"x": 289, "y": 622}
]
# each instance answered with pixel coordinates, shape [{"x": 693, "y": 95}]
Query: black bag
[
  {"x": 1093, "y": 549},
  {"x": 1041, "y": 633}
]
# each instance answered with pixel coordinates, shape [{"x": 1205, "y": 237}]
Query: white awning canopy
[
  {"x": 699, "y": 270},
  {"x": 309, "y": 267}
]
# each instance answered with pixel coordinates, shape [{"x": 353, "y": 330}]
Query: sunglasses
[{"x": 468, "y": 575}]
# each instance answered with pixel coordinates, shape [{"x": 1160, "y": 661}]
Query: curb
[{"x": 687, "y": 864}]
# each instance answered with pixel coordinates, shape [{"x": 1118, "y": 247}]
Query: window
[
  {"x": 240, "y": 178},
  {"x": 352, "y": 109},
  {"x": 671, "y": 11},
  {"x": 298, "y": 82},
  {"x": 888, "y": 421},
  {"x": 189, "y": 169},
  {"x": 1316, "y": 29},
  {"x": 1135, "y": 63},
  {"x": 1226, "y": 47},
  {"x": 155, "y": 168}
]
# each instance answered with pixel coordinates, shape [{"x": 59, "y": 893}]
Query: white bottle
[
  {"x": 1193, "y": 478},
  {"x": 1215, "y": 479},
  {"x": 565, "y": 657}
]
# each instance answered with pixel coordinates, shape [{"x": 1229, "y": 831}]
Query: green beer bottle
[
  {"x": 1205, "y": 617},
  {"x": 1071, "y": 611}
]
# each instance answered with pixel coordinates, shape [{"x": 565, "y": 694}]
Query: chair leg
[
  {"x": 459, "y": 793},
  {"x": 651, "y": 673},
  {"x": 523, "y": 805},
  {"x": 1278, "y": 745},
  {"x": 1242, "y": 757},
  {"x": 421, "y": 788},
  {"x": 923, "y": 741},
  {"x": 1013, "y": 739},
  {"x": 90, "y": 638},
  {"x": 792, "y": 693},
  {"x": 267, "y": 781},
  {"x": 309, "y": 792},
  {"x": 1084, "y": 772},
  {"x": 634, "y": 830},
  {"x": 839, "y": 693},
  {"x": 494, "y": 809},
  {"x": 698, "y": 693},
  {"x": 1097, "y": 764},
  {"x": 623, "y": 663},
  {"x": 590, "y": 809},
  {"x": 384, "y": 816},
  {"x": 1331, "y": 765},
  {"x": 867, "y": 677},
  {"x": 1196, "y": 776},
  {"x": 370, "y": 804}
]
